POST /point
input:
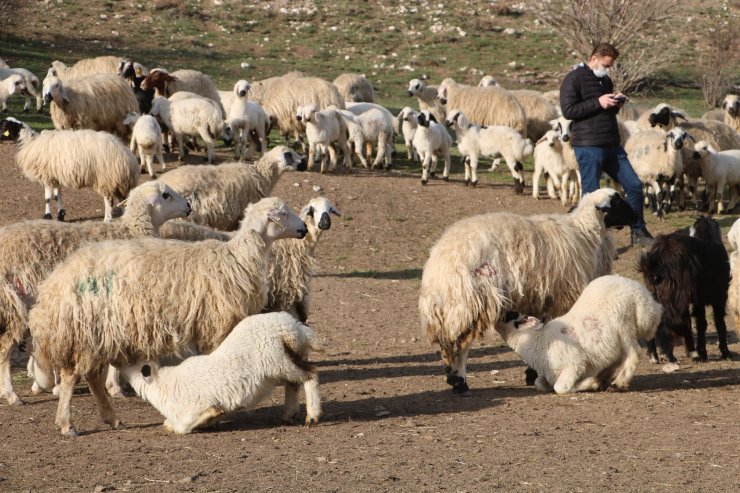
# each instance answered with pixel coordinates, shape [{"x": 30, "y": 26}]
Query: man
[{"x": 587, "y": 98}]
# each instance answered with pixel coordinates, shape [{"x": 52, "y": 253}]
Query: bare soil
[{"x": 390, "y": 421}]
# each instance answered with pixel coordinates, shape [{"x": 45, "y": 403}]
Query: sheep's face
[
  {"x": 425, "y": 118},
  {"x": 676, "y": 137},
  {"x": 54, "y": 90},
  {"x": 551, "y": 138},
  {"x": 617, "y": 212},
  {"x": 442, "y": 94},
  {"x": 307, "y": 114},
  {"x": 664, "y": 116},
  {"x": 701, "y": 150},
  {"x": 706, "y": 228},
  {"x": 282, "y": 222},
  {"x": 520, "y": 322},
  {"x": 241, "y": 88},
  {"x": 157, "y": 79},
  {"x": 416, "y": 86},
  {"x": 454, "y": 118},
  {"x": 126, "y": 69},
  {"x": 731, "y": 105},
  {"x": 410, "y": 115},
  {"x": 14, "y": 84},
  {"x": 145, "y": 371},
  {"x": 562, "y": 126},
  {"x": 164, "y": 203},
  {"x": 318, "y": 212},
  {"x": 286, "y": 158},
  {"x": 10, "y": 129}
]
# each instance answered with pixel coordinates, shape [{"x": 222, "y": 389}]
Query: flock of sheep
[{"x": 82, "y": 291}]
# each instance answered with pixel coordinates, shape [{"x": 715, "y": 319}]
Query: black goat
[
  {"x": 144, "y": 97},
  {"x": 683, "y": 271}
]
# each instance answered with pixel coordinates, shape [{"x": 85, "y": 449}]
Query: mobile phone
[{"x": 620, "y": 99}]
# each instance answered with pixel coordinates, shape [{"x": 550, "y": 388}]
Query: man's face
[{"x": 606, "y": 61}]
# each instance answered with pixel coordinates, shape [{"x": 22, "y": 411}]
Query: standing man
[{"x": 587, "y": 98}]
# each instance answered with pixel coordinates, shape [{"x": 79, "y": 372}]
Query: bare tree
[
  {"x": 638, "y": 28},
  {"x": 718, "y": 64}
]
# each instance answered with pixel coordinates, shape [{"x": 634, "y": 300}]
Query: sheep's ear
[
  {"x": 147, "y": 373},
  {"x": 679, "y": 114},
  {"x": 336, "y": 212},
  {"x": 542, "y": 139},
  {"x": 236, "y": 88},
  {"x": 432, "y": 118},
  {"x": 509, "y": 316},
  {"x": 306, "y": 212}
]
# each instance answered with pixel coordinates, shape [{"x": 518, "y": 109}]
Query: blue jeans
[{"x": 613, "y": 161}]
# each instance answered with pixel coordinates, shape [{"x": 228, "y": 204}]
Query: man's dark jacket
[{"x": 579, "y": 100}]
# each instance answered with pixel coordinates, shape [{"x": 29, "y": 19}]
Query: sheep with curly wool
[
  {"x": 486, "y": 265},
  {"x": 261, "y": 353},
  {"x": 405, "y": 124},
  {"x": 96, "y": 102},
  {"x": 219, "y": 194},
  {"x": 594, "y": 345},
  {"x": 96, "y": 308},
  {"x": 146, "y": 138},
  {"x": 427, "y": 97},
  {"x": 719, "y": 169},
  {"x": 13, "y": 84},
  {"x": 190, "y": 116},
  {"x": 323, "y": 129},
  {"x": 538, "y": 110},
  {"x": 30, "y": 250},
  {"x": 474, "y": 141},
  {"x": 354, "y": 88},
  {"x": 73, "y": 158},
  {"x": 245, "y": 117},
  {"x": 86, "y": 67},
  {"x": 430, "y": 140},
  {"x": 372, "y": 127},
  {"x": 31, "y": 89}
]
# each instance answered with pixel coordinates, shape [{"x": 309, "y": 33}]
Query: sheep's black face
[
  {"x": 324, "y": 221},
  {"x": 509, "y": 316},
  {"x": 443, "y": 100},
  {"x": 422, "y": 119},
  {"x": 706, "y": 228},
  {"x": 660, "y": 118},
  {"x": 618, "y": 213},
  {"x": 127, "y": 70},
  {"x": 10, "y": 128},
  {"x": 302, "y": 166}
]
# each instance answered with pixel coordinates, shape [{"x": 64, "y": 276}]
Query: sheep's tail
[{"x": 528, "y": 148}]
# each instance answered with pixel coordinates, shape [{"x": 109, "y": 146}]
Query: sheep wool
[
  {"x": 86, "y": 66},
  {"x": 354, "y": 88}
]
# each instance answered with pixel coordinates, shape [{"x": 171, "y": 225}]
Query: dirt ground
[{"x": 390, "y": 421}]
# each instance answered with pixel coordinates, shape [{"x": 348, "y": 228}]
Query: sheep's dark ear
[
  {"x": 146, "y": 371},
  {"x": 432, "y": 119},
  {"x": 336, "y": 212},
  {"x": 509, "y": 316},
  {"x": 724, "y": 105},
  {"x": 665, "y": 146},
  {"x": 679, "y": 114}
]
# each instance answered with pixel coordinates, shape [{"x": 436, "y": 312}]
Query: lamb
[
  {"x": 370, "y": 127},
  {"x": 594, "y": 344},
  {"x": 324, "y": 128},
  {"x": 30, "y": 250},
  {"x": 260, "y": 353},
  {"x": 191, "y": 116},
  {"x": 538, "y": 110},
  {"x": 682, "y": 271},
  {"x": 166, "y": 84},
  {"x": 245, "y": 117},
  {"x": 487, "y": 265},
  {"x": 135, "y": 76},
  {"x": 96, "y": 308},
  {"x": 719, "y": 169},
  {"x": 430, "y": 140},
  {"x": 146, "y": 136},
  {"x": 548, "y": 158},
  {"x": 474, "y": 141},
  {"x": 32, "y": 86},
  {"x": 731, "y": 106},
  {"x": 73, "y": 158},
  {"x": 406, "y": 124},
  {"x": 13, "y": 84},
  {"x": 219, "y": 194},
  {"x": 484, "y": 105},
  {"x": 354, "y": 88},
  {"x": 86, "y": 67},
  {"x": 427, "y": 97},
  {"x": 97, "y": 102}
]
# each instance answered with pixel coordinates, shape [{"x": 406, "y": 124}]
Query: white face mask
[{"x": 601, "y": 72}]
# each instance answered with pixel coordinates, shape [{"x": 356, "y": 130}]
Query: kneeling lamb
[
  {"x": 594, "y": 344},
  {"x": 261, "y": 352}
]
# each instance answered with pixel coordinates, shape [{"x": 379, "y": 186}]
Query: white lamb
[
  {"x": 261, "y": 353},
  {"x": 474, "y": 141},
  {"x": 719, "y": 169},
  {"x": 548, "y": 158},
  {"x": 32, "y": 89},
  {"x": 731, "y": 107},
  {"x": 592, "y": 346},
  {"x": 13, "y": 84},
  {"x": 371, "y": 127},
  {"x": 146, "y": 137},
  {"x": 323, "y": 129},
  {"x": 245, "y": 117},
  {"x": 406, "y": 124},
  {"x": 430, "y": 140}
]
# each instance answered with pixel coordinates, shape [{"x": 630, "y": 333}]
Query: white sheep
[
  {"x": 354, "y": 88},
  {"x": 487, "y": 81},
  {"x": 719, "y": 169},
  {"x": 474, "y": 141},
  {"x": 86, "y": 67},
  {"x": 190, "y": 116},
  {"x": 245, "y": 117},
  {"x": 260, "y": 353},
  {"x": 406, "y": 124},
  {"x": 430, "y": 140},
  {"x": 97, "y": 307},
  {"x": 30, "y": 250},
  {"x": 573, "y": 183},
  {"x": 484, "y": 105},
  {"x": 96, "y": 102},
  {"x": 359, "y": 108},
  {"x": 32, "y": 89},
  {"x": 548, "y": 158},
  {"x": 73, "y": 158},
  {"x": 733, "y": 293},
  {"x": 166, "y": 84},
  {"x": 219, "y": 194},
  {"x": 733, "y": 237},
  {"x": 731, "y": 107},
  {"x": 13, "y": 84},
  {"x": 715, "y": 114},
  {"x": 486, "y": 265},
  {"x": 427, "y": 97},
  {"x": 146, "y": 137},
  {"x": 323, "y": 129},
  {"x": 371, "y": 127},
  {"x": 594, "y": 345}
]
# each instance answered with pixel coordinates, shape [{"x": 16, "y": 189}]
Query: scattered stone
[
  {"x": 670, "y": 367},
  {"x": 316, "y": 188}
]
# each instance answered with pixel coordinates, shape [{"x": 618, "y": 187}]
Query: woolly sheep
[
  {"x": 594, "y": 344},
  {"x": 323, "y": 129},
  {"x": 73, "y": 158},
  {"x": 719, "y": 169},
  {"x": 260, "y": 353},
  {"x": 554, "y": 98},
  {"x": 30, "y": 250},
  {"x": 715, "y": 114},
  {"x": 219, "y": 194},
  {"x": 166, "y": 84},
  {"x": 548, "y": 158},
  {"x": 731, "y": 106},
  {"x": 427, "y": 97},
  {"x": 146, "y": 137},
  {"x": 187, "y": 231},
  {"x": 486, "y": 265},
  {"x": 97, "y": 102},
  {"x": 733, "y": 237},
  {"x": 32, "y": 89},
  {"x": 96, "y": 308},
  {"x": 719, "y": 135},
  {"x": 13, "y": 84},
  {"x": 86, "y": 67},
  {"x": 191, "y": 116},
  {"x": 406, "y": 123},
  {"x": 488, "y": 81},
  {"x": 474, "y": 141},
  {"x": 371, "y": 127},
  {"x": 354, "y": 88},
  {"x": 484, "y": 105},
  {"x": 430, "y": 140},
  {"x": 245, "y": 117},
  {"x": 538, "y": 110}
]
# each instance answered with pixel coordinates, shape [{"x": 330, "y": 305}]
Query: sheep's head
[
  {"x": 520, "y": 322},
  {"x": 286, "y": 159},
  {"x": 319, "y": 209},
  {"x": 551, "y": 137},
  {"x": 241, "y": 88},
  {"x": 425, "y": 118},
  {"x": 456, "y": 117},
  {"x": 676, "y": 137},
  {"x": 10, "y": 129},
  {"x": 162, "y": 202},
  {"x": 665, "y": 116},
  {"x": 144, "y": 370},
  {"x": 617, "y": 212},
  {"x": 488, "y": 81},
  {"x": 408, "y": 114},
  {"x": 416, "y": 86},
  {"x": 562, "y": 126},
  {"x": 307, "y": 113},
  {"x": 54, "y": 90},
  {"x": 158, "y": 78},
  {"x": 14, "y": 84},
  {"x": 706, "y": 228},
  {"x": 126, "y": 69},
  {"x": 131, "y": 118},
  {"x": 731, "y": 104},
  {"x": 273, "y": 219},
  {"x": 442, "y": 94},
  {"x": 702, "y": 149}
]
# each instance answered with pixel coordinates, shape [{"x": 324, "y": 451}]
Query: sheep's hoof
[
  {"x": 60, "y": 215},
  {"x": 459, "y": 385},
  {"x": 474, "y": 183},
  {"x": 530, "y": 376},
  {"x": 423, "y": 182},
  {"x": 311, "y": 421},
  {"x": 117, "y": 425},
  {"x": 727, "y": 355},
  {"x": 47, "y": 215},
  {"x": 467, "y": 182},
  {"x": 702, "y": 355},
  {"x": 445, "y": 178},
  {"x": 25, "y": 110},
  {"x": 70, "y": 432},
  {"x": 433, "y": 174}
]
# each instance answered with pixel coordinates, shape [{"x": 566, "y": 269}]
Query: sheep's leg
[
  {"x": 652, "y": 351},
  {"x": 96, "y": 382},
  {"x": 292, "y": 404},
  {"x": 111, "y": 383},
  {"x": 68, "y": 380},
  {"x": 457, "y": 373},
  {"x": 347, "y": 150},
  {"x": 206, "y": 136},
  {"x": 180, "y": 146},
  {"x": 719, "y": 192},
  {"x": 311, "y": 155},
  {"x": 60, "y": 204},
  {"x": 332, "y": 159},
  {"x": 466, "y": 164},
  {"x": 6, "y": 381},
  {"x": 425, "y": 169},
  {"x": 108, "y": 217},
  {"x": 719, "y": 323},
  {"x": 588, "y": 384},
  {"x": 446, "y": 171},
  {"x": 380, "y": 155},
  {"x": 553, "y": 183},
  {"x": 28, "y": 104},
  {"x": 204, "y": 419},
  {"x": 733, "y": 198},
  {"x": 313, "y": 399},
  {"x": 359, "y": 145},
  {"x": 160, "y": 157},
  {"x": 150, "y": 165},
  {"x": 541, "y": 384},
  {"x": 700, "y": 312},
  {"x": 47, "y": 201},
  {"x": 628, "y": 367},
  {"x": 566, "y": 381},
  {"x": 473, "y": 169},
  {"x": 536, "y": 183},
  {"x": 409, "y": 150}
]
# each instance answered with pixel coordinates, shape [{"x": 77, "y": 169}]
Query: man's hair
[{"x": 605, "y": 49}]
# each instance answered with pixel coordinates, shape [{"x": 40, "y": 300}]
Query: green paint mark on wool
[{"x": 93, "y": 286}]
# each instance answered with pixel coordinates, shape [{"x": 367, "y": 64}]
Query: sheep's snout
[
  {"x": 325, "y": 221},
  {"x": 298, "y": 117},
  {"x": 443, "y": 100},
  {"x": 458, "y": 383},
  {"x": 302, "y": 232},
  {"x": 565, "y": 138},
  {"x": 303, "y": 165},
  {"x": 242, "y": 93},
  {"x": 47, "y": 97},
  {"x": 410, "y": 93},
  {"x": 696, "y": 155}
]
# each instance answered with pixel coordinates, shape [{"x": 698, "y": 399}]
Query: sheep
[
  {"x": 166, "y": 84},
  {"x": 719, "y": 169},
  {"x": 488, "y": 81},
  {"x": 73, "y": 158},
  {"x": 474, "y": 141},
  {"x": 484, "y": 105},
  {"x": 657, "y": 158},
  {"x": 554, "y": 98},
  {"x": 359, "y": 108},
  {"x": 260, "y": 353},
  {"x": 191, "y": 116},
  {"x": 187, "y": 231},
  {"x": 548, "y": 158},
  {"x": 427, "y": 97},
  {"x": 96, "y": 308},
  {"x": 86, "y": 67},
  {"x": 30, "y": 250},
  {"x": 146, "y": 136},
  {"x": 682, "y": 271},
  {"x": 135, "y": 76},
  {"x": 97, "y": 102},
  {"x": 406, "y": 124},
  {"x": 13, "y": 84},
  {"x": 720, "y": 135},
  {"x": 731, "y": 107},
  {"x": 715, "y": 114},
  {"x": 430, "y": 140},
  {"x": 354, "y": 88},
  {"x": 245, "y": 117},
  {"x": 592, "y": 346},
  {"x": 219, "y": 194},
  {"x": 486, "y": 265},
  {"x": 323, "y": 128},
  {"x": 538, "y": 110},
  {"x": 32, "y": 86},
  {"x": 733, "y": 238},
  {"x": 370, "y": 127}
]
